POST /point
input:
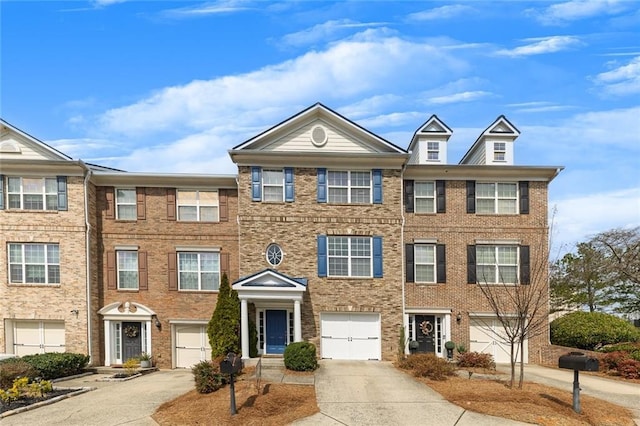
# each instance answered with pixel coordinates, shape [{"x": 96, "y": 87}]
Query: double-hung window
[
  {"x": 34, "y": 263},
  {"x": 352, "y": 187},
  {"x": 425, "y": 263},
  {"x": 500, "y": 198},
  {"x": 32, "y": 193},
  {"x": 198, "y": 271},
  {"x": 425, "y": 197},
  {"x": 349, "y": 256},
  {"x": 499, "y": 151},
  {"x": 433, "y": 151},
  {"x": 127, "y": 265},
  {"x": 497, "y": 264},
  {"x": 198, "y": 206},
  {"x": 273, "y": 185},
  {"x": 126, "y": 206}
]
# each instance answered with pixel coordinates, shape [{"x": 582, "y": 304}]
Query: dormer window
[
  {"x": 499, "y": 151},
  {"x": 433, "y": 151}
]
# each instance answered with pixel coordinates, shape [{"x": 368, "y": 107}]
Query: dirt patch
[{"x": 273, "y": 404}]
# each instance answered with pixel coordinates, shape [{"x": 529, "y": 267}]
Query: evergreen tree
[{"x": 224, "y": 327}]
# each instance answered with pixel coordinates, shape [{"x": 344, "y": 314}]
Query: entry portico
[{"x": 277, "y": 299}]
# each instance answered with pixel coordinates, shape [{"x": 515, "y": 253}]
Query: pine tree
[{"x": 224, "y": 327}]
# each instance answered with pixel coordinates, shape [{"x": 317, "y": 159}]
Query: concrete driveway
[
  {"x": 111, "y": 403},
  {"x": 375, "y": 393}
]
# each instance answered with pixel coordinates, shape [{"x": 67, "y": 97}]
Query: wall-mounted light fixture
[
  {"x": 458, "y": 317},
  {"x": 157, "y": 322}
]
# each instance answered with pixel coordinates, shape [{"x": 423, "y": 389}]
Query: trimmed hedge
[
  {"x": 208, "y": 377},
  {"x": 300, "y": 356},
  {"x": 591, "y": 330},
  {"x": 53, "y": 365}
]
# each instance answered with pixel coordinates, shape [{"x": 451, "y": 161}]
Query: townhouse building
[{"x": 328, "y": 232}]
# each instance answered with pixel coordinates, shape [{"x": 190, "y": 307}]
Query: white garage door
[
  {"x": 37, "y": 337},
  {"x": 192, "y": 345},
  {"x": 485, "y": 333},
  {"x": 350, "y": 336}
]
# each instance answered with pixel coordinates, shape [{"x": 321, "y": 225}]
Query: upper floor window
[
  {"x": 198, "y": 270},
  {"x": 433, "y": 151},
  {"x": 349, "y": 256},
  {"x": 34, "y": 263},
  {"x": 425, "y": 197},
  {"x": 349, "y": 187},
  {"x": 499, "y": 198},
  {"x": 499, "y": 151},
  {"x": 425, "y": 263},
  {"x": 126, "y": 204},
  {"x": 32, "y": 193},
  {"x": 497, "y": 264},
  {"x": 127, "y": 269},
  {"x": 273, "y": 185},
  {"x": 200, "y": 206}
]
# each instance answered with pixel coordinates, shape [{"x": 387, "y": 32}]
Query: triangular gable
[
  {"x": 501, "y": 126},
  {"x": 16, "y": 144},
  {"x": 126, "y": 309},
  {"x": 269, "y": 279},
  {"x": 318, "y": 129},
  {"x": 435, "y": 125}
]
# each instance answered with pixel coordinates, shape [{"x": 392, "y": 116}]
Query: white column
[
  {"x": 107, "y": 343},
  {"x": 244, "y": 328},
  {"x": 297, "y": 323}
]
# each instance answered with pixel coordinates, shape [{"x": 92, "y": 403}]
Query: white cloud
[
  {"x": 323, "y": 32},
  {"x": 574, "y": 10},
  {"x": 210, "y": 8},
  {"x": 459, "y": 97},
  {"x": 538, "y": 106},
  {"x": 371, "y": 106},
  {"x": 542, "y": 45},
  {"x": 623, "y": 80},
  {"x": 107, "y": 2},
  {"x": 443, "y": 12}
]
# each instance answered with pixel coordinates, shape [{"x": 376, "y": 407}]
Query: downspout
[
  {"x": 405, "y": 319},
  {"x": 88, "y": 261}
]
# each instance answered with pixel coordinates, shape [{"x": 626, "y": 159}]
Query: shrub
[
  {"x": 130, "y": 366},
  {"x": 612, "y": 360},
  {"x": 300, "y": 356},
  {"x": 22, "y": 387},
  {"x": 224, "y": 326},
  {"x": 208, "y": 377},
  {"x": 629, "y": 369},
  {"x": 15, "y": 368},
  {"x": 476, "y": 360},
  {"x": 428, "y": 365},
  {"x": 53, "y": 364},
  {"x": 591, "y": 330}
]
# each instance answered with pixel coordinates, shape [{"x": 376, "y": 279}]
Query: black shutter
[
  {"x": 441, "y": 202},
  {"x": 408, "y": 196},
  {"x": 524, "y": 197},
  {"x": 1, "y": 192},
  {"x": 471, "y": 196},
  {"x": 408, "y": 259},
  {"x": 471, "y": 265},
  {"x": 441, "y": 260},
  {"x": 525, "y": 266}
]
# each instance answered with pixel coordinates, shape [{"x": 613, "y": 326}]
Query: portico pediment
[
  {"x": 269, "y": 280},
  {"x": 126, "y": 311}
]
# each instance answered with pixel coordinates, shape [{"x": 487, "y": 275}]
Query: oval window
[{"x": 274, "y": 254}]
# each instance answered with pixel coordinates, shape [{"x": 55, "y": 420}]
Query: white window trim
[
  {"x": 349, "y": 186},
  {"x": 23, "y": 263},
  {"x": 497, "y": 198},
  {"x": 497, "y": 265},
  {"x": 424, "y": 197},
  {"x": 134, "y": 203},
  {"x": 197, "y": 205},
  {"x": 272, "y": 185},
  {"x": 199, "y": 271},
  {"x": 434, "y": 264},
  {"x": 22, "y": 193},
  {"x": 118, "y": 269},
  {"x": 499, "y": 149},
  {"x": 349, "y": 257},
  {"x": 431, "y": 150}
]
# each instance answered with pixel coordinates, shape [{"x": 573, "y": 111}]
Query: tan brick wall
[
  {"x": 158, "y": 236},
  {"x": 48, "y": 302},
  {"x": 295, "y": 226}
]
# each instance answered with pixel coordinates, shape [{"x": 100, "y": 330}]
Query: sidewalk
[{"x": 625, "y": 394}]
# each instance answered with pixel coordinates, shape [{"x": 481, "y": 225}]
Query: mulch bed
[{"x": 24, "y": 402}]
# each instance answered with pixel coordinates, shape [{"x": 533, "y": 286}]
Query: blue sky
[{"x": 171, "y": 86}]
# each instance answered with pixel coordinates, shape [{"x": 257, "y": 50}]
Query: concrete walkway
[
  {"x": 111, "y": 403},
  {"x": 375, "y": 393}
]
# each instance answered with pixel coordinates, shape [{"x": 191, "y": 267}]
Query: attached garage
[
  {"x": 191, "y": 345},
  {"x": 350, "y": 336},
  {"x": 485, "y": 337},
  {"x": 37, "y": 337}
]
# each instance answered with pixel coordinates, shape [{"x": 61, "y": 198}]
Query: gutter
[{"x": 88, "y": 261}]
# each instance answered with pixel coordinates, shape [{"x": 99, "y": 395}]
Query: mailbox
[
  {"x": 231, "y": 364},
  {"x": 578, "y": 361}
]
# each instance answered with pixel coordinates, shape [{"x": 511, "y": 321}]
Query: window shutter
[
  {"x": 141, "y": 203},
  {"x": 322, "y": 185},
  {"x": 441, "y": 202},
  {"x": 377, "y": 257},
  {"x": 408, "y": 196},
  {"x": 112, "y": 283},
  {"x": 223, "y": 205},
  {"x": 62, "y": 193},
  {"x": 256, "y": 183},
  {"x": 111, "y": 209},
  {"x": 524, "y": 197},
  {"x": 441, "y": 261},
  {"x": 171, "y": 268},
  {"x": 377, "y": 186},
  {"x": 224, "y": 265},
  {"x": 171, "y": 204},
  {"x": 525, "y": 266},
  {"x": 143, "y": 272},
  {"x": 471, "y": 265},
  {"x": 408, "y": 263},
  {"x": 322, "y": 255},
  {"x": 1, "y": 192},
  {"x": 471, "y": 196},
  {"x": 289, "y": 191}
]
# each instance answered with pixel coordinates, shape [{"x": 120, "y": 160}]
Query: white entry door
[
  {"x": 350, "y": 336},
  {"x": 192, "y": 345},
  {"x": 486, "y": 337},
  {"x": 38, "y": 337}
]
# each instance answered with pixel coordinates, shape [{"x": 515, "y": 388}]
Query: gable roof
[
  {"x": 433, "y": 126},
  {"x": 26, "y": 141},
  {"x": 501, "y": 127}
]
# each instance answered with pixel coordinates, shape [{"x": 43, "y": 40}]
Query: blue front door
[{"x": 276, "y": 331}]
